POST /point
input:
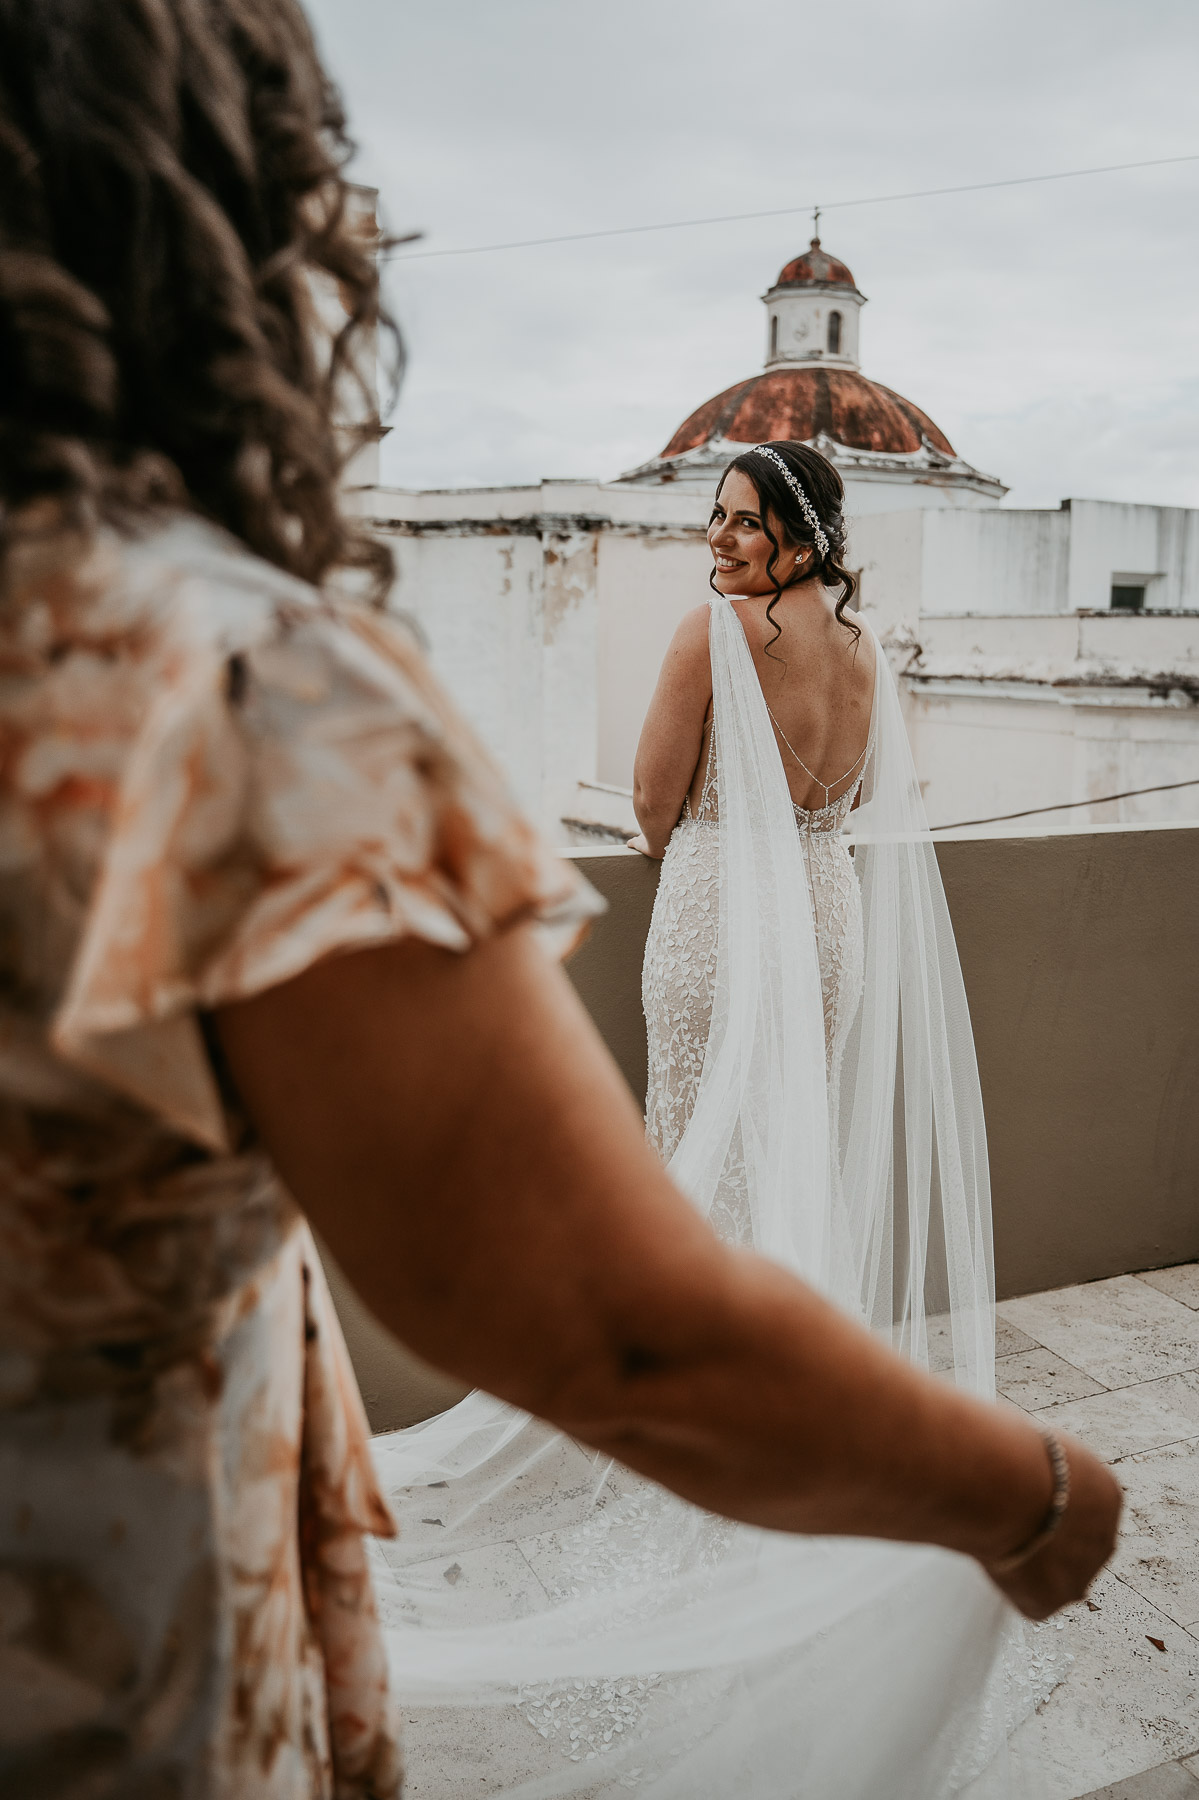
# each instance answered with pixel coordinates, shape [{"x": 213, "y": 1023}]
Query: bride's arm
[
  {"x": 672, "y": 735},
  {"x": 458, "y": 1134}
]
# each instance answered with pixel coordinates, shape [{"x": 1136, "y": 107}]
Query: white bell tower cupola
[{"x": 812, "y": 313}]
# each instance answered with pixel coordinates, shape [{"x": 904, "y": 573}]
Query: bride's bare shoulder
[
  {"x": 686, "y": 672},
  {"x": 689, "y": 645},
  {"x": 692, "y": 628}
]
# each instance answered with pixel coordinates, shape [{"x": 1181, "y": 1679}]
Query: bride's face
[{"x": 740, "y": 548}]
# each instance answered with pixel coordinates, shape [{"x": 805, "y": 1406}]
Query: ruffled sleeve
[{"x": 312, "y": 792}]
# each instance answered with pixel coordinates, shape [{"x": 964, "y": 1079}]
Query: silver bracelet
[{"x": 1053, "y": 1517}]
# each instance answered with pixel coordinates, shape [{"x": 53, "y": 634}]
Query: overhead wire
[
  {"x": 1163, "y": 787},
  {"x": 778, "y": 212}
]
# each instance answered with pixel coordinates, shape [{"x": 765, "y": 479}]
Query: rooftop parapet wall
[{"x": 1081, "y": 958}]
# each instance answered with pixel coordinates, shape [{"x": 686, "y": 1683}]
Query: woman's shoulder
[
  {"x": 120, "y": 633},
  {"x": 173, "y": 580},
  {"x": 200, "y": 583},
  {"x": 298, "y": 652},
  {"x": 177, "y": 593}
]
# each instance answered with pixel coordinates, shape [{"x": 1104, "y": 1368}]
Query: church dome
[
  {"x": 804, "y": 403},
  {"x": 812, "y": 391},
  {"x": 815, "y": 268}
]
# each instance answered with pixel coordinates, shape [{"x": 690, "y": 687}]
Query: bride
[
  {"x": 560, "y": 1626},
  {"x": 817, "y": 673}
]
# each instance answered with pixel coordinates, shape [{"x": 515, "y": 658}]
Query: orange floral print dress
[{"x": 209, "y": 778}]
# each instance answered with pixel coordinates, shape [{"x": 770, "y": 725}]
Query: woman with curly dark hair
[
  {"x": 268, "y": 916},
  {"x": 172, "y": 193},
  {"x": 189, "y": 1481}
]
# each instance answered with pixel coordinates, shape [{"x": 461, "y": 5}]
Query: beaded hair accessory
[{"x": 805, "y": 505}]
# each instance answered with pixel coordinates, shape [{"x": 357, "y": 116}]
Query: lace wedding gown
[
  {"x": 559, "y": 1626},
  {"x": 680, "y": 955}
]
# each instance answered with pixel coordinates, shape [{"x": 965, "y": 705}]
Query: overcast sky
[{"x": 1051, "y": 331}]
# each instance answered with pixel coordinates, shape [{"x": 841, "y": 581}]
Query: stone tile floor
[{"x": 1117, "y": 1363}]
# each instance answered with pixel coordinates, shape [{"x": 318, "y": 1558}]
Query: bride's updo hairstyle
[
  {"x": 826, "y": 493},
  {"x": 171, "y": 189}
]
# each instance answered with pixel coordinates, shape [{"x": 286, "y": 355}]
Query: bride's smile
[{"x": 742, "y": 545}]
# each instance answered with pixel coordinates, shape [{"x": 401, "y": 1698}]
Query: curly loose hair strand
[{"x": 177, "y": 238}]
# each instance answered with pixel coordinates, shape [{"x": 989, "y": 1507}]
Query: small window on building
[
  {"x": 774, "y": 334},
  {"x": 834, "y": 334},
  {"x": 1127, "y": 598}
]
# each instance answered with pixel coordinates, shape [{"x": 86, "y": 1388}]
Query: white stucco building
[
  {"x": 547, "y": 611},
  {"x": 1046, "y": 657}
]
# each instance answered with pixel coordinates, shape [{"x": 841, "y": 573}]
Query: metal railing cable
[{"x": 1163, "y": 787}]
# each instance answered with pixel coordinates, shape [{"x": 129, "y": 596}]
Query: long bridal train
[{"x": 559, "y": 1626}]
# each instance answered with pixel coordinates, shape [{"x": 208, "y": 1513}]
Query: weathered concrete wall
[
  {"x": 986, "y": 753},
  {"x": 648, "y": 580},
  {"x": 1158, "y": 545},
  {"x": 1006, "y": 713},
  {"x": 887, "y": 551},
  {"x": 508, "y": 609},
  {"x": 547, "y": 611},
  {"x": 477, "y": 598},
  {"x": 994, "y": 561},
  {"x": 999, "y": 560}
]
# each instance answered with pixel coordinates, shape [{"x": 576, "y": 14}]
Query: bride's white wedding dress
[
  {"x": 680, "y": 954},
  {"x": 559, "y": 1626}
]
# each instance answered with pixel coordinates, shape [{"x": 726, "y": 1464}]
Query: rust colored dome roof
[
  {"x": 800, "y": 403},
  {"x": 815, "y": 268}
]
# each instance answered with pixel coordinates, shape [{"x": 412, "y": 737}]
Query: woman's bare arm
[
  {"x": 672, "y": 735},
  {"x": 462, "y": 1140}
]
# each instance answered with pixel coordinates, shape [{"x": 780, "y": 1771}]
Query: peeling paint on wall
[{"x": 569, "y": 576}]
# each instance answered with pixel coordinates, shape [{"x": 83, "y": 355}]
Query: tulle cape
[{"x": 558, "y": 1626}]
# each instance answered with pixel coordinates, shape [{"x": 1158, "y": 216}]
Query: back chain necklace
[{"x": 827, "y": 786}]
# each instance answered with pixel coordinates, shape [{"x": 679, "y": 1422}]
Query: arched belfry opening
[{"x": 812, "y": 312}]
